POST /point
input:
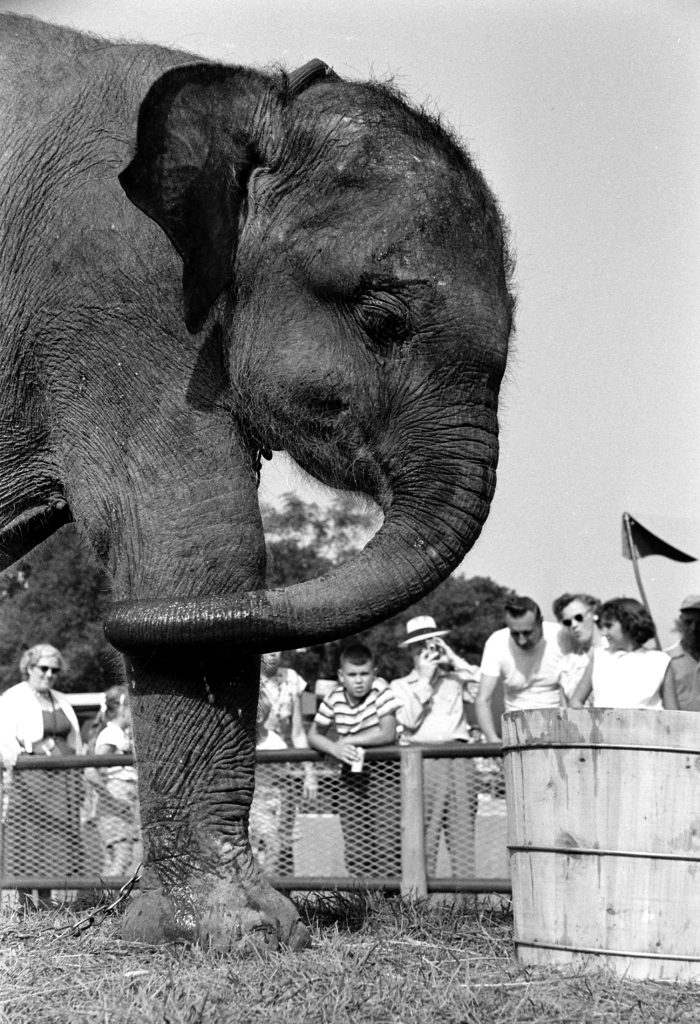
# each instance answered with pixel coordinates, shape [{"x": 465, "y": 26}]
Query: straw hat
[{"x": 423, "y": 627}]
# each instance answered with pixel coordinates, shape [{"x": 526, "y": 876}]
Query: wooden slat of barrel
[{"x": 604, "y": 838}]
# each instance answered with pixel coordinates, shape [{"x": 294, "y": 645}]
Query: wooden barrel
[{"x": 604, "y": 838}]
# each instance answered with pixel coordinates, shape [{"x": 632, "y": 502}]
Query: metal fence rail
[{"x": 415, "y": 820}]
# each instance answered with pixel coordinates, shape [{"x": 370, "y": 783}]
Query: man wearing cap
[
  {"x": 527, "y": 656},
  {"x": 681, "y": 686},
  {"x": 432, "y": 710}
]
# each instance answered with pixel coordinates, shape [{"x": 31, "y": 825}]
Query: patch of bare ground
[{"x": 375, "y": 960}]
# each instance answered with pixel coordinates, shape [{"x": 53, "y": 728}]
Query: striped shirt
[{"x": 348, "y": 719}]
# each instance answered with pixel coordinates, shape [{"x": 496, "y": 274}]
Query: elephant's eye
[{"x": 383, "y": 318}]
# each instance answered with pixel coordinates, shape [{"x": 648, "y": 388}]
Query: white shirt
[
  {"x": 112, "y": 735},
  {"x": 628, "y": 679},
  {"x": 531, "y": 679},
  {"x": 573, "y": 667},
  {"x": 432, "y": 712},
  {"x": 21, "y": 722}
]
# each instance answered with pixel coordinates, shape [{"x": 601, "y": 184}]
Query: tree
[
  {"x": 58, "y": 594},
  {"x": 305, "y": 540}
]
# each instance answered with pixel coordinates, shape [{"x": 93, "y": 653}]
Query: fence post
[{"x": 414, "y": 883}]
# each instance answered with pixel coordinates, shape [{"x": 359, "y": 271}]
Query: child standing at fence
[
  {"x": 117, "y": 811},
  {"x": 356, "y": 714}
]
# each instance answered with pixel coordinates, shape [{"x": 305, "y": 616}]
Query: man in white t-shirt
[{"x": 527, "y": 657}]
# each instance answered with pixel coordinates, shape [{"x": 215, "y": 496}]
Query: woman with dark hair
[{"x": 626, "y": 674}]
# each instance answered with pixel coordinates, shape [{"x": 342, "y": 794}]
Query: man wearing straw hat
[{"x": 432, "y": 711}]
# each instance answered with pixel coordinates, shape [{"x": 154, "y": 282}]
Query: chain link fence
[{"x": 414, "y": 820}]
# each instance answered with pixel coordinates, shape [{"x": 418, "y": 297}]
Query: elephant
[{"x": 202, "y": 264}]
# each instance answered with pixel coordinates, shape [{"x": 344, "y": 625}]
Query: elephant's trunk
[{"x": 425, "y": 535}]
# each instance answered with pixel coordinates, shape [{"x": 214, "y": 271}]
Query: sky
[{"x": 583, "y": 116}]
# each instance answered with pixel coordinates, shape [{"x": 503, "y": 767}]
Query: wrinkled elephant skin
[{"x": 199, "y": 263}]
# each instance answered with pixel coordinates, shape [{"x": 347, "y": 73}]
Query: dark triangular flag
[{"x": 647, "y": 543}]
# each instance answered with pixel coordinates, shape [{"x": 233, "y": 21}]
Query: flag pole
[{"x": 637, "y": 574}]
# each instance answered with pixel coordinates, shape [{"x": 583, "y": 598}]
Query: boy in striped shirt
[{"x": 360, "y": 712}]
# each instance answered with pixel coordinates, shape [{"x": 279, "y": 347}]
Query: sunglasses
[
  {"x": 45, "y": 669},
  {"x": 574, "y": 618}
]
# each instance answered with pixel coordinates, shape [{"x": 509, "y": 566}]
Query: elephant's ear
[{"x": 193, "y": 159}]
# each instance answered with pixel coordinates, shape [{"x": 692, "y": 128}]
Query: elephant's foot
[{"x": 227, "y": 916}]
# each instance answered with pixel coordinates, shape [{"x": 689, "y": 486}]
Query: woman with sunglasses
[
  {"x": 42, "y": 827},
  {"x": 578, "y": 615}
]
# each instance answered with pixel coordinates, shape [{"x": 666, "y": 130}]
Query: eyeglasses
[
  {"x": 45, "y": 669},
  {"x": 578, "y": 617}
]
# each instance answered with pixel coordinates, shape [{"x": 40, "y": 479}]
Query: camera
[{"x": 436, "y": 647}]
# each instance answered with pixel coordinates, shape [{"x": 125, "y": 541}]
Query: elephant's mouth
[
  {"x": 329, "y": 444},
  {"x": 31, "y": 527}
]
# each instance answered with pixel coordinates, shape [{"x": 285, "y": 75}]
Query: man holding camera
[{"x": 432, "y": 710}]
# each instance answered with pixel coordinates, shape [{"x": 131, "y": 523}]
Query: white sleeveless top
[{"x": 628, "y": 679}]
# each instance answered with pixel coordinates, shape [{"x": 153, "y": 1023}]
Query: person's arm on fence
[
  {"x": 300, "y": 742},
  {"x": 342, "y": 749},
  {"x": 346, "y": 749},
  {"x": 9, "y": 751},
  {"x": 483, "y": 711}
]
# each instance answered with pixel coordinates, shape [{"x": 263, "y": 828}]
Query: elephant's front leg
[{"x": 194, "y": 722}]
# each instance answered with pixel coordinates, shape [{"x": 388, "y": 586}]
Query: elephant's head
[{"x": 352, "y": 261}]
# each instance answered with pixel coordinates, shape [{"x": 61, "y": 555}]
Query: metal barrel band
[
  {"x": 515, "y": 748},
  {"x": 592, "y": 851},
  {"x": 598, "y": 951}
]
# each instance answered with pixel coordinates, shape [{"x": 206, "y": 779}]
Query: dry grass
[{"x": 375, "y": 960}]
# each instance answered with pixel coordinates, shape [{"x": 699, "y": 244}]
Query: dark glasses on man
[
  {"x": 578, "y": 617},
  {"x": 45, "y": 669}
]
